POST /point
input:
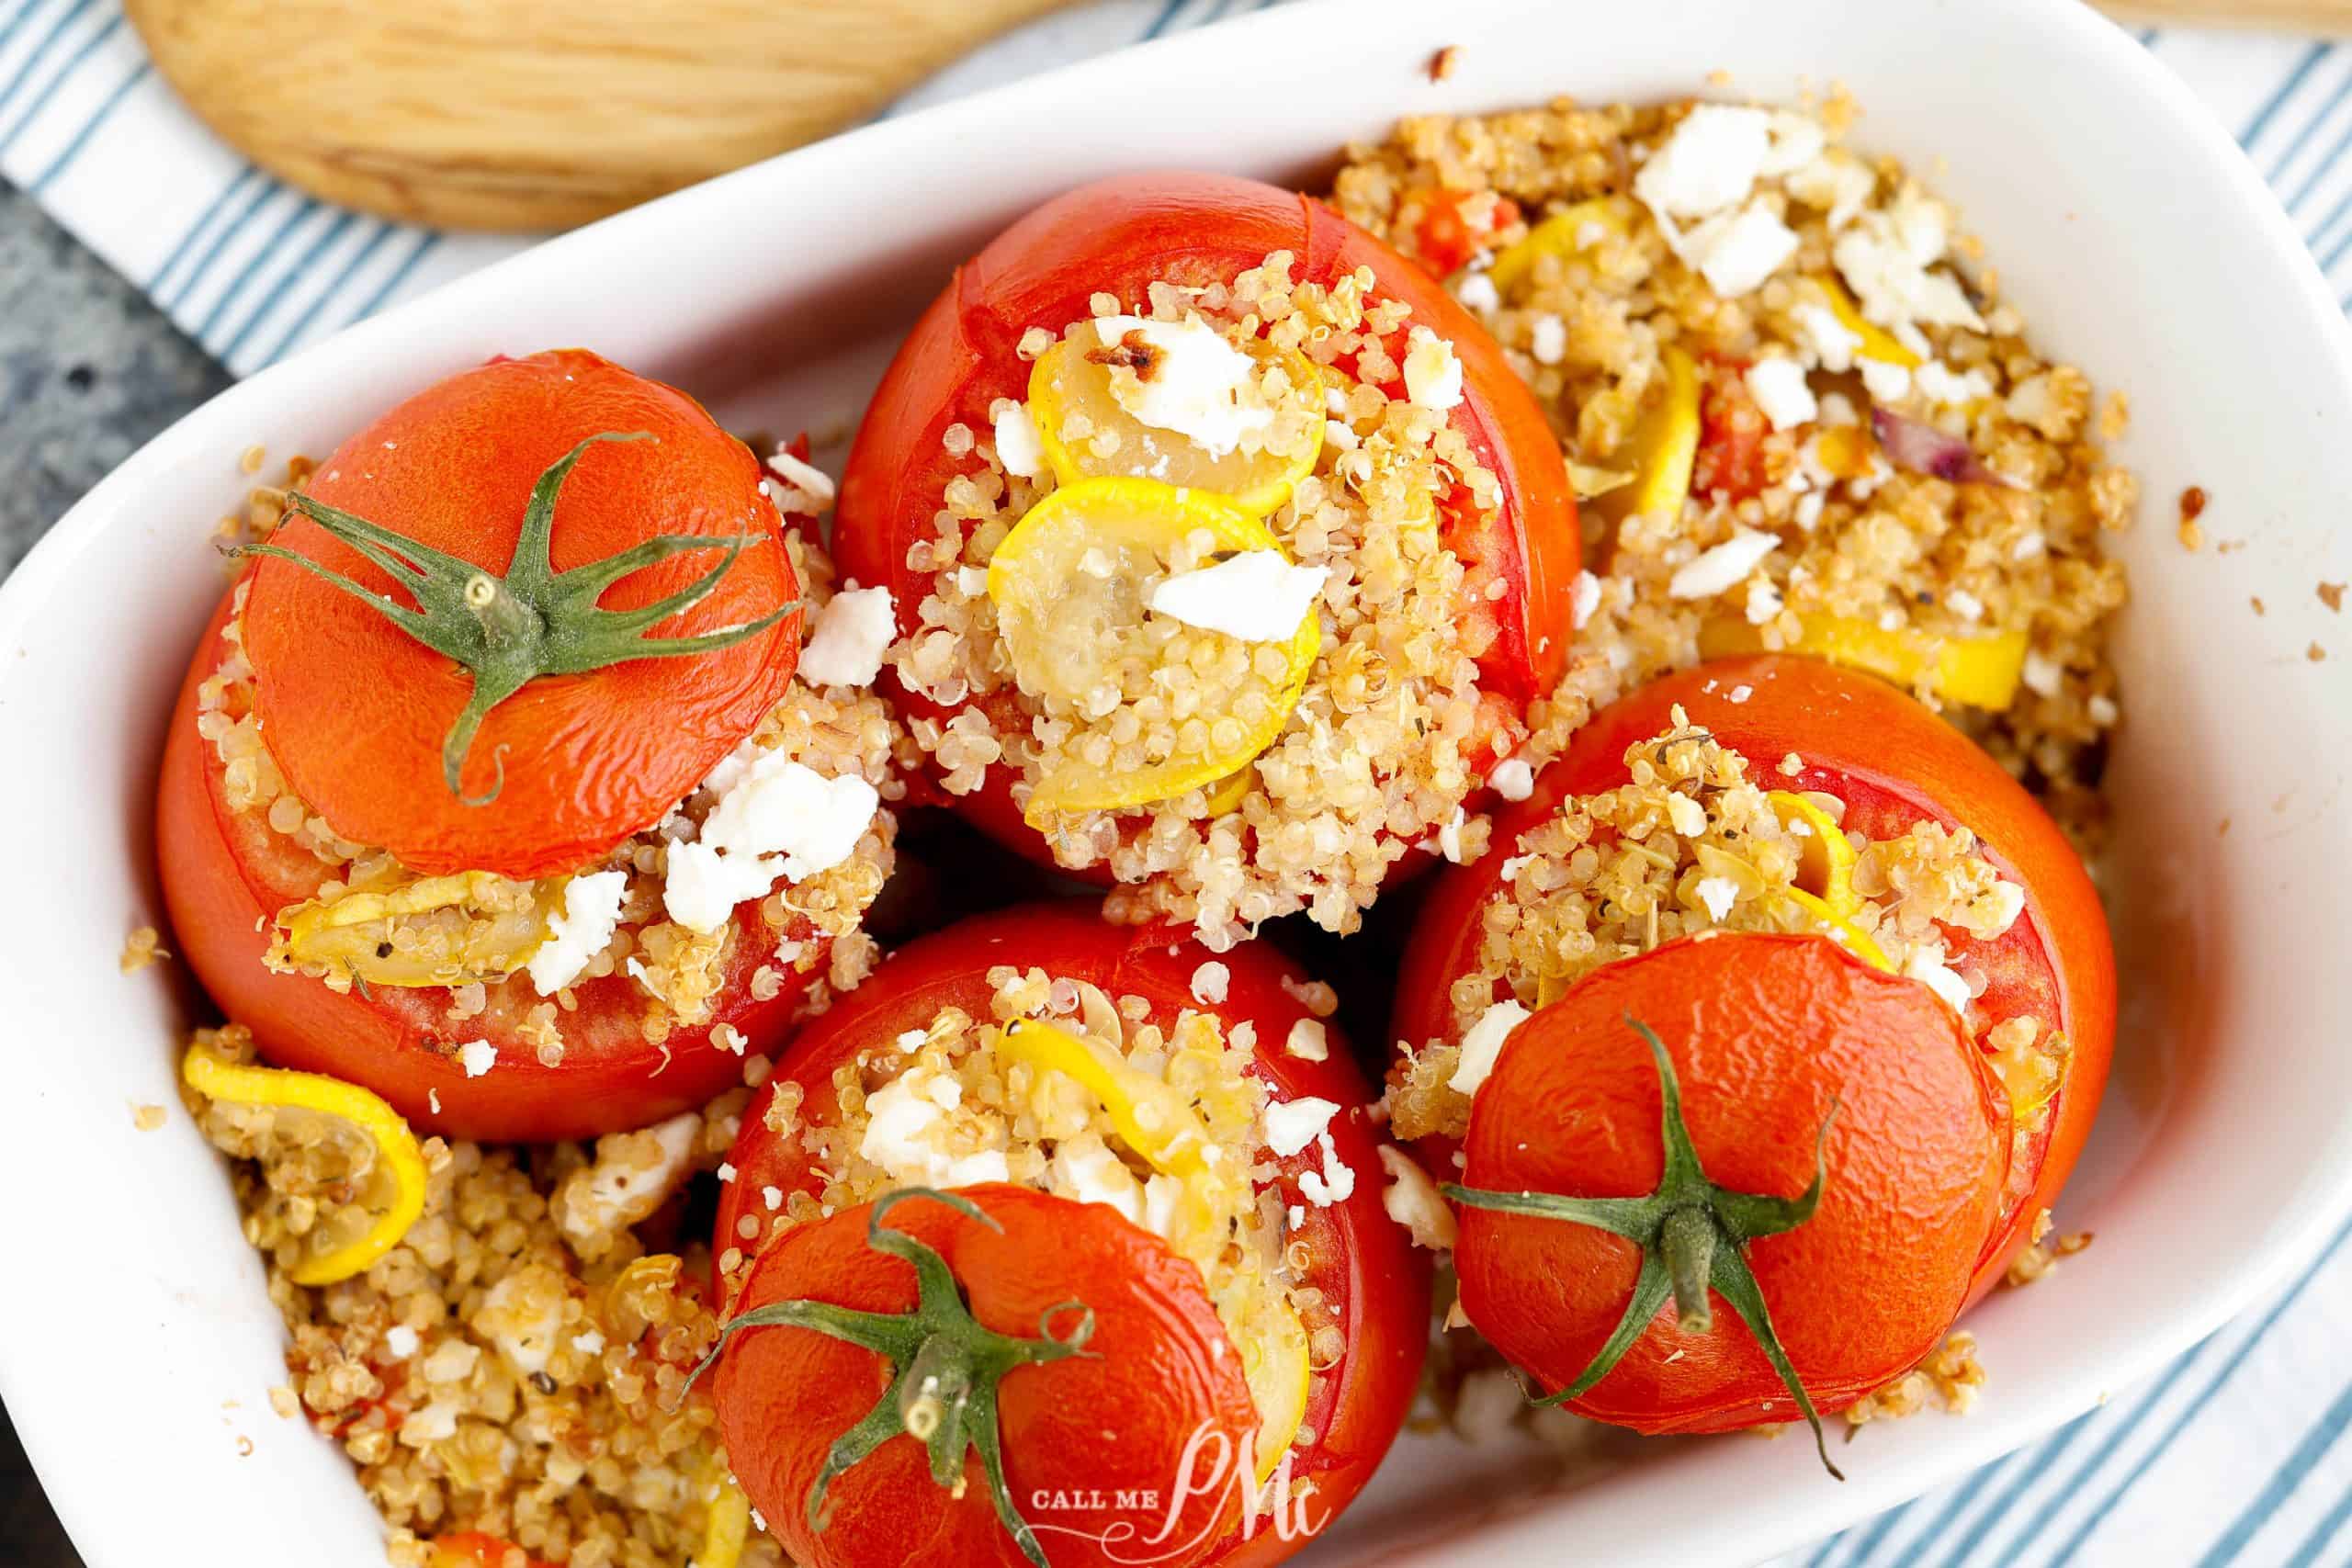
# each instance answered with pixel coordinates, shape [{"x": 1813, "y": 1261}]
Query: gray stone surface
[{"x": 88, "y": 371}]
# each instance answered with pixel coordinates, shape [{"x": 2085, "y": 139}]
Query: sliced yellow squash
[
  {"x": 728, "y": 1524},
  {"x": 390, "y": 1178},
  {"x": 1662, "y": 450},
  {"x": 1074, "y": 402},
  {"x": 435, "y": 930},
  {"x": 1068, "y": 585},
  {"x": 1876, "y": 342},
  {"x": 1565, "y": 235},
  {"x": 1983, "y": 671}
]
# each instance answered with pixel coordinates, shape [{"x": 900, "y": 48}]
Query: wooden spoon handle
[{"x": 540, "y": 113}]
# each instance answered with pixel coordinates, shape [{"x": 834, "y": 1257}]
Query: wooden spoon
[{"x": 541, "y": 113}]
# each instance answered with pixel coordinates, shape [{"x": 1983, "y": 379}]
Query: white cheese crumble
[
  {"x": 1884, "y": 259},
  {"x": 1292, "y": 1124},
  {"x": 1334, "y": 1183},
  {"x": 1411, "y": 1199},
  {"x": 1927, "y": 965},
  {"x": 1255, "y": 596},
  {"x": 1735, "y": 251},
  {"x": 1837, "y": 183},
  {"x": 777, "y": 820},
  {"x": 1717, "y": 570},
  {"x": 399, "y": 1341},
  {"x": 1686, "y": 816},
  {"x": 1478, "y": 293},
  {"x": 1432, "y": 374},
  {"x": 1965, "y": 604},
  {"x": 1086, "y": 1171},
  {"x": 1830, "y": 341},
  {"x": 1779, "y": 386},
  {"x": 900, "y": 1118},
  {"x": 1764, "y": 600},
  {"x": 2042, "y": 673},
  {"x": 852, "y": 631},
  {"x": 1709, "y": 163},
  {"x": 1198, "y": 386},
  {"x": 1018, "y": 445},
  {"x": 1449, "y": 837},
  {"x": 1308, "y": 1040},
  {"x": 622, "y": 1187},
  {"x": 1886, "y": 381},
  {"x": 803, "y": 476},
  {"x": 1482, "y": 1044},
  {"x": 1512, "y": 779},
  {"x": 1718, "y": 894},
  {"x": 1584, "y": 599},
  {"x": 1940, "y": 384},
  {"x": 2103, "y": 711},
  {"x": 578, "y": 931},
  {"x": 477, "y": 1056},
  {"x": 1549, "y": 339},
  {"x": 1210, "y": 983}
]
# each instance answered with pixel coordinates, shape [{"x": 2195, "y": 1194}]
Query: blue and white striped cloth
[{"x": 2234, "y": 1454}]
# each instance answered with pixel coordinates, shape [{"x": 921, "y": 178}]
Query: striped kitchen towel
[{"x": 2233, "y": 1454}]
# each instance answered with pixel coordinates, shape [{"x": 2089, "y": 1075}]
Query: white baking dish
[{"x": 136, "y": 1346}]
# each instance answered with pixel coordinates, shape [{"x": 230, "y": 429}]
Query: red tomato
[
  {"x": 1158, "y": 1369},
  {"x": 1375, "y": 1280},
  {"x": 1443, "y": 240},
  {"x": 1894, "y": 764},
  {"x": 1768, "y": 1035},
  {"x": 225, "y": 878},
  {"x": 1730, "y": 462},
  {"x": 356, "y": 709},
  {"x": 1117, "y": 236}
]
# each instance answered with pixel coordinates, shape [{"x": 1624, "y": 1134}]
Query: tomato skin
[
  {"x": 1362, "y": 1260},
  {"x": 1768, "y": 1033},
  {"x": 1443, "y": 241},
  {"x": 1730, "y": 464},
  {"x": 356, "y": 709},
  {"x": 222, "y": 887},
  {"x": 1117, "y": 236},
  {"x": 1159, "y": 1369},
  {"x": 1895, "y": 764}
]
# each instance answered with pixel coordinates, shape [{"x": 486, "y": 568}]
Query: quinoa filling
[
  {"x": 1000, "y": 1098},
  {"x": 1695, "y": 842},
  {"x": 486, "y": 940},
  {"x": 1387, "y": 737}
]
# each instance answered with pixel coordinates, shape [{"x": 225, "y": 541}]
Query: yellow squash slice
[
  {"x": 1068, "y": 585},
  {"x": 1567, "y": 234},
  {"x": 437, "y": 931},
  {"x": 1663, "y": 449},
  {"x": 1982, "y": 671},
  {"x": 1074, "y": 404},
  {"x": 1876, "y": 342},
  {"x": 390, "y": 1174},
  {"x": 1157, "y": 1122},
  {"x": 1824, "y": 887}
]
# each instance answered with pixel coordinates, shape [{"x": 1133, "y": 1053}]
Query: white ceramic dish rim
[{"x": 377, "y": 362}]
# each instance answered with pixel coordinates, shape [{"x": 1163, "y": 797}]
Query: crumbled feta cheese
[
  {"x": 1432, "y": 374},
  {"x": 1200, "y": 388},
  {"x": 1294, "y": 1216},
  {"x": 1018, "y": 445},
  {"x": 1310, "y": 1040},
  {"x": 1884, "y": 259},
  {"x": 1735, "y": 251},
  {"x": 1828, "y": 340},
  {"x": 588, "y": 1342},
  {"x": 1211, "y": 982},
  {"x": 1886, "y": 381},
  {"x": 2043, "y": 673},
  {"x": 1448, "y": 836},
  {"x": 2029, "y": 546},
  {"x": 1764, "y": 601},
  {"x": 1741, "y": 693},
  {"x": 1292, "y": 1124},
  {"x": 399, "y": 1342},
  {"x": 522, "y": 1314},
  {"x": 1512, "y": 779},
  {"x": 852, "y": 631},
  {"x": 1255, "y": 596},
  {"x": 901, "y": 1116},
  {"x": 1808, "y": 514},
  {"x": 1411, "y": 1199},
  {"x": 634, "y": 1174},
  {"x": 1797, "y": 141},
  {"x": 578, "y": 931},
  {"x": 1938, "y": 384},
  {"x": 971, "y": 582},
  {"x": 1086, "y": 1171},
  {"x": 1482, "y": 1044},
  {"x": 1584, "y": 599},
  {"x": 1965, "y": 604},
  {"x": 1686, "y": 816},
  {"x": 1836, "y": 183},
  {"x": 1718, "y": 894},
  {"x": 1709, "y": 163},
  {"x": 1548, "y": 339},
  {"x": 1778, "y": 383},
  {"x": 726, "y": 1170},
  {"x": 1478, "y": 293},
  {"x": 777, "y": 820},
  {"x": 1334, "y": 1183},
  {"x": 1718, "y": 569},
  {"x": 477, "y": 1056},
  {"x": 1927, "y": 965},
  {"x": 2103, "y": 711},
  {"x": 1340, "y": 435},
  {"x": 803, "y": 476}
]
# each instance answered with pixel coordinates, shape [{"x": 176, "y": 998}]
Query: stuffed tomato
[
  {"x": 490, "y": 787},
  {"x": 1781, "y": 793},
  {"x": 1036, "y": 1134},
  {"x": 1227, "y": 551}
]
